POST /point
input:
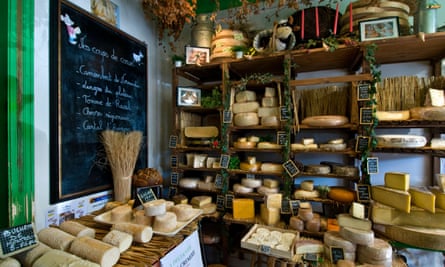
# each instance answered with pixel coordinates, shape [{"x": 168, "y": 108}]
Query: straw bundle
[
  {"x": 122, "y": 151},
  {"x": 331, "y": 100}
]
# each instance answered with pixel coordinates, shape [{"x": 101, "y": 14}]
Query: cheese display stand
[{"x": 272, "y": 134}]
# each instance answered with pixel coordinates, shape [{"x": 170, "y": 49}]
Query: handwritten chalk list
[
  {"x": 362, "y": 143},
  {"x": 174, "y": 177},
  {"x": 291, "y": 168},
  {"x": 336, "y": 253},
  {"x": 173, "y": 141},
  {"x": 363, "y": 193},
  {"x": 282, "y": 138},
  {"x": 373, "y": 165},
  {"x": 145, "y": 194},
  {"x": 227, "y": 116},
  {"x": 224, "y": 161},
  {"x": 284, "y": 113},
  {"x": 363, "y": 91},
  {"x": 366, "y": 116},
  {"x": 16, "y": 239}
]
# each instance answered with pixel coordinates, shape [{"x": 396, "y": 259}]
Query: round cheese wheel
[
  {"x": 401, "y": 141},
  {"x": 325, "y": 121},
  {"x": 245, "y": 107},
  {"x": 313, "y": 225},
  {"x": 251, "y": 183},
  {"x": 121, "y": 213},
  {"x": 245, "y": 96},
  {"x": 333, "y": 147},
  {"x": 342, "y": 194},
  {"x": 296, "y": 223},
  {"x": 155, "y": 207},
  {"x": 317, "y": 169},
  {"x": 183, "y": 212},
  {"x": 140, "y": 218},
  {"x": 188, "y": 182},
  {"x": 392, "y": 115},
  {"x": 357, "y": 236},
  {"x": 208, "y": 208},
  {"x": 303, "y": 194},
  {"x": 334, "y": 239},
  {"x": 165, "y": 223},
  {"x": 263, "y": 190},
  {"x": 378, "y": 250},
  {"x": 238, "y": 188},
  {"x": 305, "y": 214},
  {"x": 244, "y": 144},
  {"x": 246, "y": 119},
  {"x": 245, "y": 166},
  {"x": 345, "y": 170},
  {"x": 268, "y": 145},
  {"x": 307, "y": 185}
]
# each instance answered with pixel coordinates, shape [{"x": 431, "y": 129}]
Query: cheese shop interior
[{"x": 31, "y": 195}]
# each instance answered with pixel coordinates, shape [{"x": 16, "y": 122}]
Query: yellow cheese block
[
  {"x": 274, "y": 200},
  {"x": 397, "y": 180},
  {"x": 423, "y": 199},
  {"x": 387, "y": 215},
  {"x": 440, "y": 197},
  {"x": 243, "y": 208},
  {"x": 245, "y": 166},
  {"x": 269, "y": 216},
  {"x": 392, "y": 197}
]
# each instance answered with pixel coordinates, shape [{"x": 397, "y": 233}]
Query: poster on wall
[{"x": 98, "y": 82}]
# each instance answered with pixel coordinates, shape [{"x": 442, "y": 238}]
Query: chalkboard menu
[
  {"x": 98, "y": 82},
  {"x": 16, "y": 239},
  {"x": 145, "y": 194}
]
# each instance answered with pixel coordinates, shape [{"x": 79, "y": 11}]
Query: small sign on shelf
[
  {"x": 373, "y": 165},
  {"x": 366, "y": 116},
  {"x": 291, "y": 168},
  {"x": 173, "y": 141},
  {"x": 16, "y": 239},
  {"x": 363, "y": 193},
  {"x": 362, "y": 143},
  {"x": 363, "y": 91}
]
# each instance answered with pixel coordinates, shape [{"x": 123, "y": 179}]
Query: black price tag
[
  {"x": 284, "y": 113},
  {"x": 16, "y": 239},
  {"x": 282, "y": 138},
  {"x": 172, "y": 191},
  {"x": 362, "y": 143},
  {"x": 363, "y": 193},
  {"x": 366, "y": 116},
  {"x": 227, "y": 116},
  {"x": 229, "y": 201},
  {"x": 250, "y": 176},
  {"x": 173, "y": 141},
  {"x": 363, "y": 91},
  {"x": 145, "y": 194},
  {"x": 174, "y": 177},
  {"x": 294, "y": 206},
  {"x": 224, "y": 161},
  {"x": 218, "y": 181},
  {"x": 265, "y": 249},
  {"x": 174, "y": 161},
  {"x": 373, "y": 165},
  {"x": 291, "y": 168},
  {"x": 220, "y": 202},
  {"x": 311, "y": 257},
  {"x": 337, "y": 253},
  {"x": 285, "y": 206}
]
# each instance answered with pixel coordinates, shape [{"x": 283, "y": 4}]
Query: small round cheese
[
  {"x": 270, "y": 121},
  {"x": 165, "y": 223},
  {"x": 251, "y": 183},
  {"x": 140, "y": 218},
  {"x": 121, "y": 213},
  {"x": 183, "y": 212},
  {"x": 155, "y": 207},
  {"x": 237, "y": 188},
  {"x": 313, "y": 225},
  {"x": 208, "y": 208},
  {"x": 307, "y": 185}
]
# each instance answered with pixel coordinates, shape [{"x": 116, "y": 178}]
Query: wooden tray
[{"x": 106, "y": 219}]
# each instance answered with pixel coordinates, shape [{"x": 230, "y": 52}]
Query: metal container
[
  {"x": 426, "y": 16},
  {"x": 202, "y": 31}
]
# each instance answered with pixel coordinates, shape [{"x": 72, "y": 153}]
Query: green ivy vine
[
  {"x": 288, "y": 181},
  {"x": 369, "y": 130}
]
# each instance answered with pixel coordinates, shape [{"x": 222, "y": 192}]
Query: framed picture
[
  {"x": 189, "y": 96},
  {"x": 377, "y": 29},
  {"x": 197, "y": 55}
]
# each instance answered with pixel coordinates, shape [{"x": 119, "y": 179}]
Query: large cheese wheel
[
  {"x": 55, "y": 238},
  {"x": 296, "y": 223},
  {"x": 334, "y": 239},
  {"x": 317, "y": 169},
  {"x": 264, "y": 190},
  {"x": 350, "y": 256},
  {"x": 238, "y": 188},
  {"x": 165, "y": 223},
  {"x": 245, "y": 107},
  {"x": 378, "y": 250},
  {"x": 208, "y": 208},
  {"x": 119, "y": 239},
  {"x": 155, "y": 207},
  {"x": 251, "y": 183},
  {"x": 357, "y": 236},
  {"x": 245, "y": 96},
  {"x": 246, "y": 119},
  {"x": 268, "y": 111},
  {"x": 313, "y": 225},
  {"x": 325, "y": 121},
  {"x": 401, "y": 141},
  {"x": 77, "y": 229},
  {"x": 95, "y": 250},
  {"x": 271, "y": 167},
  {"x": 140, "y": 233},
  {"x": 341, "y": 194}
]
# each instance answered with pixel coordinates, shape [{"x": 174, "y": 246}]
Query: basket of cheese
[{"x": 272, "y": 241}]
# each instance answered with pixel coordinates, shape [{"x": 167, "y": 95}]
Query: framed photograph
[
  {"x": 189, "y": 96},
  {"x": 197, "y": 55},
  {"x": 377, "y": 29}
]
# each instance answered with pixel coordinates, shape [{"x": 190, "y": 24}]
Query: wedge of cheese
[
  {"x": 423, "y": 198},
  {"x": 392, "y": 197},
  {"x": 346, "y": 220},
  {"x": 440, "y": 197},
  {"x": 269, "y": 216},
  {"x": 397, "y": 180}
]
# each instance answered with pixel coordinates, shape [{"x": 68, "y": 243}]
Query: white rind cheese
[
  {"x": 358, "y": 210},
  {"x": 119, "y": 239},
  {"x": 251, "y": 183},
  {"x": 155, "y": 207},
  {"x": 357, "y": 236},
  {"x": 269, "y": 92},
  {"x": 245, "y": 96},
  {"x": 165, "y": 223},
  {"x": 141, "y": 233},
  {"x": 346, "y": 220}
]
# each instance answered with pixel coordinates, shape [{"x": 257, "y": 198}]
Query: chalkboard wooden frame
[{"x": 98, "y": 81}]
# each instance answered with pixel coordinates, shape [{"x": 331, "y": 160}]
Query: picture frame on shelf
[
  {"x": 188, "y": 96},
  {"x": 197, "y": 55},
  {"x": 377, "y": 29}
]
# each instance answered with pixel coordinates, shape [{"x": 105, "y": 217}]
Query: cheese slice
[
  {"x": 440, "y": 197},
  {"x": 423, "y": 199},
  {"x": 392, "y": 197},
  {"x": 397, "y": 180}
]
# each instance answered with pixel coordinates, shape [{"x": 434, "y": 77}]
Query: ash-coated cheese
[
  {"x": 346, "y": 220},
  {"x": 269, "y": 216},
  {"x": 245, "y": 96},
  {"x": 246, "y": 119},
  {"x": 392, "y": 197},
  {"x": 397, "y": 180},
  {"x": 423, "y": 199},
  {"x": 55, "y": 238},
  {"x": 119, "y": 239},
  {"x": 268, "y": 111},
  {"x": 243, "y": 208},
  {"x": 357, "y": 236},
  {"x": 334, "y": 239},
  {"x": 141, "y": 233},
  {"x": 245, "y": 107},
  {"x": 95, "y": 250},
  {"x": 269, "y": 102}
]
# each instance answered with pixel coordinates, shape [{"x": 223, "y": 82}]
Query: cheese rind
[
  {"x": 269, "y": 102},
  {"x": 392, "y": 197},
  {"x": 423, "y": 199},
  {"x": 245, "y": 107},
  {"x": 357, "y": 236},
  {"x": 397, "y": 180},
  {"x": 245, "y": 96}
]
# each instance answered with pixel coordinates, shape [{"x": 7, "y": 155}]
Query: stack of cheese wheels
[
  {"x": 245, "y": 109},
  {"x": 224, "y": 40},
  {"x": 9, "y": 262},
  {"x": 325, "y": 121},
  {"x": 337, "y": 144},
  {"x": 269, "y": 106},
  {"x": 269, "y": 186},
  {"x": 305, "y": 144},
  {"x": 334, "y": 239},
  {"x": 306, "y": 190}
]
